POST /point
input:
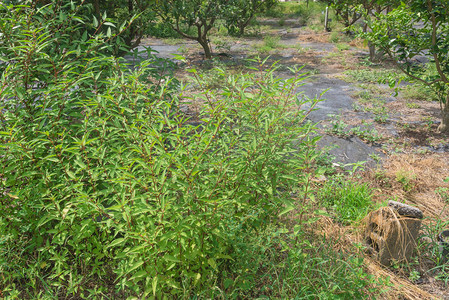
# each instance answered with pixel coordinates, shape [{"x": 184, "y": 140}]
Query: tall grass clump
[
  {"x": 348, "y": 200},
  {"x": 107, "y": 188}
]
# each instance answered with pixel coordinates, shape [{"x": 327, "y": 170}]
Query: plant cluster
[
  {"x": 339, "y": 128},
  {"x": 373, "y": 75},
  {"x": 433, "y": 263},
  {"x": 107, "y": 187}
]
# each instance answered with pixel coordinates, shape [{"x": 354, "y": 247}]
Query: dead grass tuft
[
  {"x": 344, "y": 239},
  {"x": 427, "y": 174},
  {"x": 315, "y": 37},
  {"x": 400, "y": 288}
]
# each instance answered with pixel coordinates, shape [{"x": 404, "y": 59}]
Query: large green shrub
[{"x": 106, "y": 187}]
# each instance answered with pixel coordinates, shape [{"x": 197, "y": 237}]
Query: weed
[
  {"x": 443, "y": 192},
  {"x": 356, "y": 107},
  {"x": 368, "y": 135},
  {"x": 348, "y": 199},
  {"x": 340, "y": 128},
  {"x": 418, "y": 92},
  {"x": 375, "y": 157},
  {"x": 270, "y": 43},
  {"x": 428, "y": 122},
  {"x": 301, "y": 49},
  {"x": 371, "y": 96},
  {"x": 173, "y": 41},
  {"x": 294, "y": 265},
  {"x": 342, "y": 47},
  {"x": 183, "y": 50},
  {"x": 367, "y": 62},
  {"x": 381, "y": 117},
  {"x": 162, "y": 30},
  {"x": 222, "y": 44},
  {"x": 340, "y": 38},
  {"x": 412, "y": 105},
  {"x": 281, "y": 22},
  {"x": 405, "y": 178},
  {"x": 372, "y": 75},
  {"x": 436, "y": 265}
]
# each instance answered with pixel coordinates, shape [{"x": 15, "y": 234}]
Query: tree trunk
[
  {"x": 243, "y": 25},
  {"x": 241, "y": 30},
  {"x": 372, "y": 51},
  {"x": 207, "y": 51},
  {"x": 444, "y": 126}
]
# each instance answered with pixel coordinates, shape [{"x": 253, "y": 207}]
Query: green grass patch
[
  {"x": 418, "y": 92},
  {"x": 270, "y": 44},
  {"x": 347, "y": 199},
  {"x": 281, "y": 264},
  {"x": 373, "y": 75}
]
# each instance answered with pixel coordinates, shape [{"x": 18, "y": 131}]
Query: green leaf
[
  {"x": 212, "y": 263},
  {"x": 154, "y": 285},
  {"x": 116, "y": 242},
  {"x": 95, "y": 22},
  {"x": 139, "y": 275},
  {"x": 287, "y": 210},
  {"x": 134, "y": 266}
]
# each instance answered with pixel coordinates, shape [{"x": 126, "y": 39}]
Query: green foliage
[
  {"x": 192, "y": 19},
  {"x": 405, "y": 178},
  {"x": 373, "y": 75},
  {"x": 105, "y": 180},
  {"x": 280, "y": 264},
  {"x": 162, "y": 30},
  {"x": 418, "y": 92},
  {"x": 348, "y": 199},
  {"x": 343, "y": 47},
  {"x": 429, "y": 248},
  {"x": 398, "y": 36},
  {"x": 338, "y": 37},
  {"x": 238, "y": 14},
  {"x": 443, "y": 192},
  {"x": 109, "y": 190},
  {"x": 339, "y": 128},
  {"x": 347, "y": 10},
  {"x": 270, "y": 43}
]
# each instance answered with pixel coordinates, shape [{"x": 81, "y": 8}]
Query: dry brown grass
[
  {"x": 426, "y": 174},
  {"x": 412, "y": 179},
  {"x": 315, "y": 37},
  {"x": 400, "y": 288},
  {"x": 347, "y": 237}
]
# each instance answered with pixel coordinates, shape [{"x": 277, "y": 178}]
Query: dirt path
[{"x": 349, "y": 135}]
